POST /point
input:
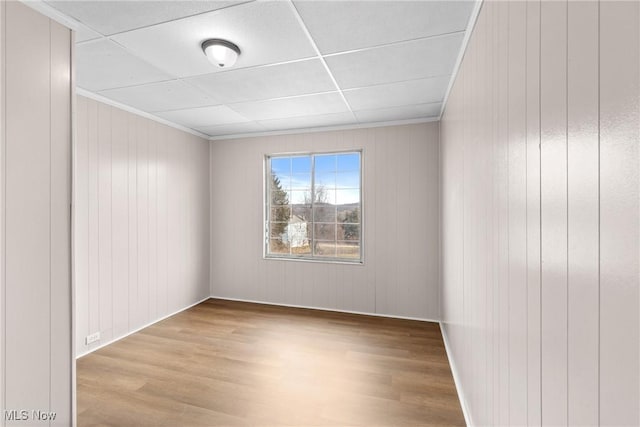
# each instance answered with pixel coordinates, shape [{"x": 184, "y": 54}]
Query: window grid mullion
[
  {"x": 313, "y": 212},
  {"x": 335, "y": 221},
  {"x": 267, "y": 237},
  {"x": 290, "y": 207}
]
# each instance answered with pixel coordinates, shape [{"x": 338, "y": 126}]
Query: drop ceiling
[{"x": 304, "y": 64}]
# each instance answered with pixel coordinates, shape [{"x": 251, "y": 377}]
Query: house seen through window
[{"x": 314, "y": 206}]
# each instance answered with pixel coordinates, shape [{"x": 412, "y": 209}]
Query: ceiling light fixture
[{"x": 221, "y": 53}]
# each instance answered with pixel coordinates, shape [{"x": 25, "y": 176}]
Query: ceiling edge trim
[
  {"x": 100, "y": 98},
  {"x": 465, "y": 43},
  {"x": 325, "y": 128},
  {"x": 52, "y": 13}
]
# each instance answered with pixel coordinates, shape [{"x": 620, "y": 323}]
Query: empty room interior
[{"x": 319, "y": 213}]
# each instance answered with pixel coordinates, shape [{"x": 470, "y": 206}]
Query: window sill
[{"x": 314, "y": 260}]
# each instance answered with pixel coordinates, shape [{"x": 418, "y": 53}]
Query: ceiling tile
[
  {"x": 266, "y": 32},
  {"x": 232, "y": 129},
  {"x": 104, "y": 65},
  {"x": 399, "y": 113},
  {"x": 412, "y": 60},
  {"x": 274, "y": 81},
  {"x": 345, "y": 25},
  {"x": 411, "y": 92},
  {"x": 163, "y": 96},
  {"x": 334, "y": 119},
  {"x": 111, "y": 17},
  {"x": 203, "y": 117},
  {"x": 292, "y": 107}
]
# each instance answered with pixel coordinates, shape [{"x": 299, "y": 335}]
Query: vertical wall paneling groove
[
  {"x": 486, "y": 109},
  {"x": 517, "y": 162},
  {"x": 132, "y": 221},
  {"x": 619, "y": 116},
  {"x": 153, "y": 223},
  {"x": 142, "y": 179},
  {"x": 503, "y": 209},
  {"x": 492, "y": 9},
  {"x": 81, "y": 225},
  {"x": 93, "y": 219},
  {"x": 582, "y": 205},
  {"x": 141, "y": 176},
  {"x": 399, "y": 277},
  {"x": 533, "y": 212},
  {"x": 119, "y": 216},
  {"x": 104, "y": 202},
  {"x": 73, "y": 157},
  {"x": 36, "y": 195},
  {"x": 163, "y": 294},
  {"x": 553, "y": 152},
  {"x": 539, "y": 148}
]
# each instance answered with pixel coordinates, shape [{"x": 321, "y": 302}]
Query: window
[{"x": 314, "y": 206}]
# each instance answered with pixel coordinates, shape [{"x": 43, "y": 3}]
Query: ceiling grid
[{"x": 303, "y": 63}]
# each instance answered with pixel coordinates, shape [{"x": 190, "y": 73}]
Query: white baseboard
[
  {"x": 456, "y": 379},
  {"x": 141, "y": 328},
  {"x": 277, "y": 304}
]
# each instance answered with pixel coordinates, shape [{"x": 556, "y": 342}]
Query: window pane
[
  {"x": 296, "y": 234},
  {"x": 279, "y": 197},
  {"x": 349, "y": 214},
  {"x": 281, "y": 165},
  {"x": 277, "y": 246},
  {"x": 299, "y": 237},
  {"x": 348, "y": 250},
  {"x": 348, "y": 232},
  {"x": 280, "y": 182},
  {"x": 301, "y": 181},
  {"x": 301, "y": 250},
  {"x": 325, "y": 163},
  {"x": 325, "y": 249},
  {"x": 300, "y": 197},
  {"x": 348, "y": 180},
  {"x": 347, "y": 197},
  {"x": 280, "y": 213},
  {"x": 324, "y": 231},
  {"x": 349, "y": 162},
  {"x": 324, "y": 213},
  {"x": 326, "y": 180},
  {"x": 303, "y": 212},
  {"x": 323, "y": 195},
  {"x": 277, "y": 229},
  {"x": 301, "y": 164}
]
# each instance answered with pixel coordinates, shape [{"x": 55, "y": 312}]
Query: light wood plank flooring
[{"x": 233, "y": 363}]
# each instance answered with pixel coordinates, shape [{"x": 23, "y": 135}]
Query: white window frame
[{"x": 267, "y": 208}]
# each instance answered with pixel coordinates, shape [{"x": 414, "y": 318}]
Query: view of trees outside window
[{"x": 314, "y": 206}]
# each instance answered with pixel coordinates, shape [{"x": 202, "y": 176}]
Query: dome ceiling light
[{"x": 221, "y": 53}]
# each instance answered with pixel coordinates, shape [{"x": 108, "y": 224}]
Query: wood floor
[{"x": 231, "y": 363}]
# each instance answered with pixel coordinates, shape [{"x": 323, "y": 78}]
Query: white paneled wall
[
  {"x": 400, "y": 222},
  {"x": 35, "y": 208},
  {"x": 3, "y": 289},
  {"x": 540, "y": 215},
  {"x": 142, "y": 221}
]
